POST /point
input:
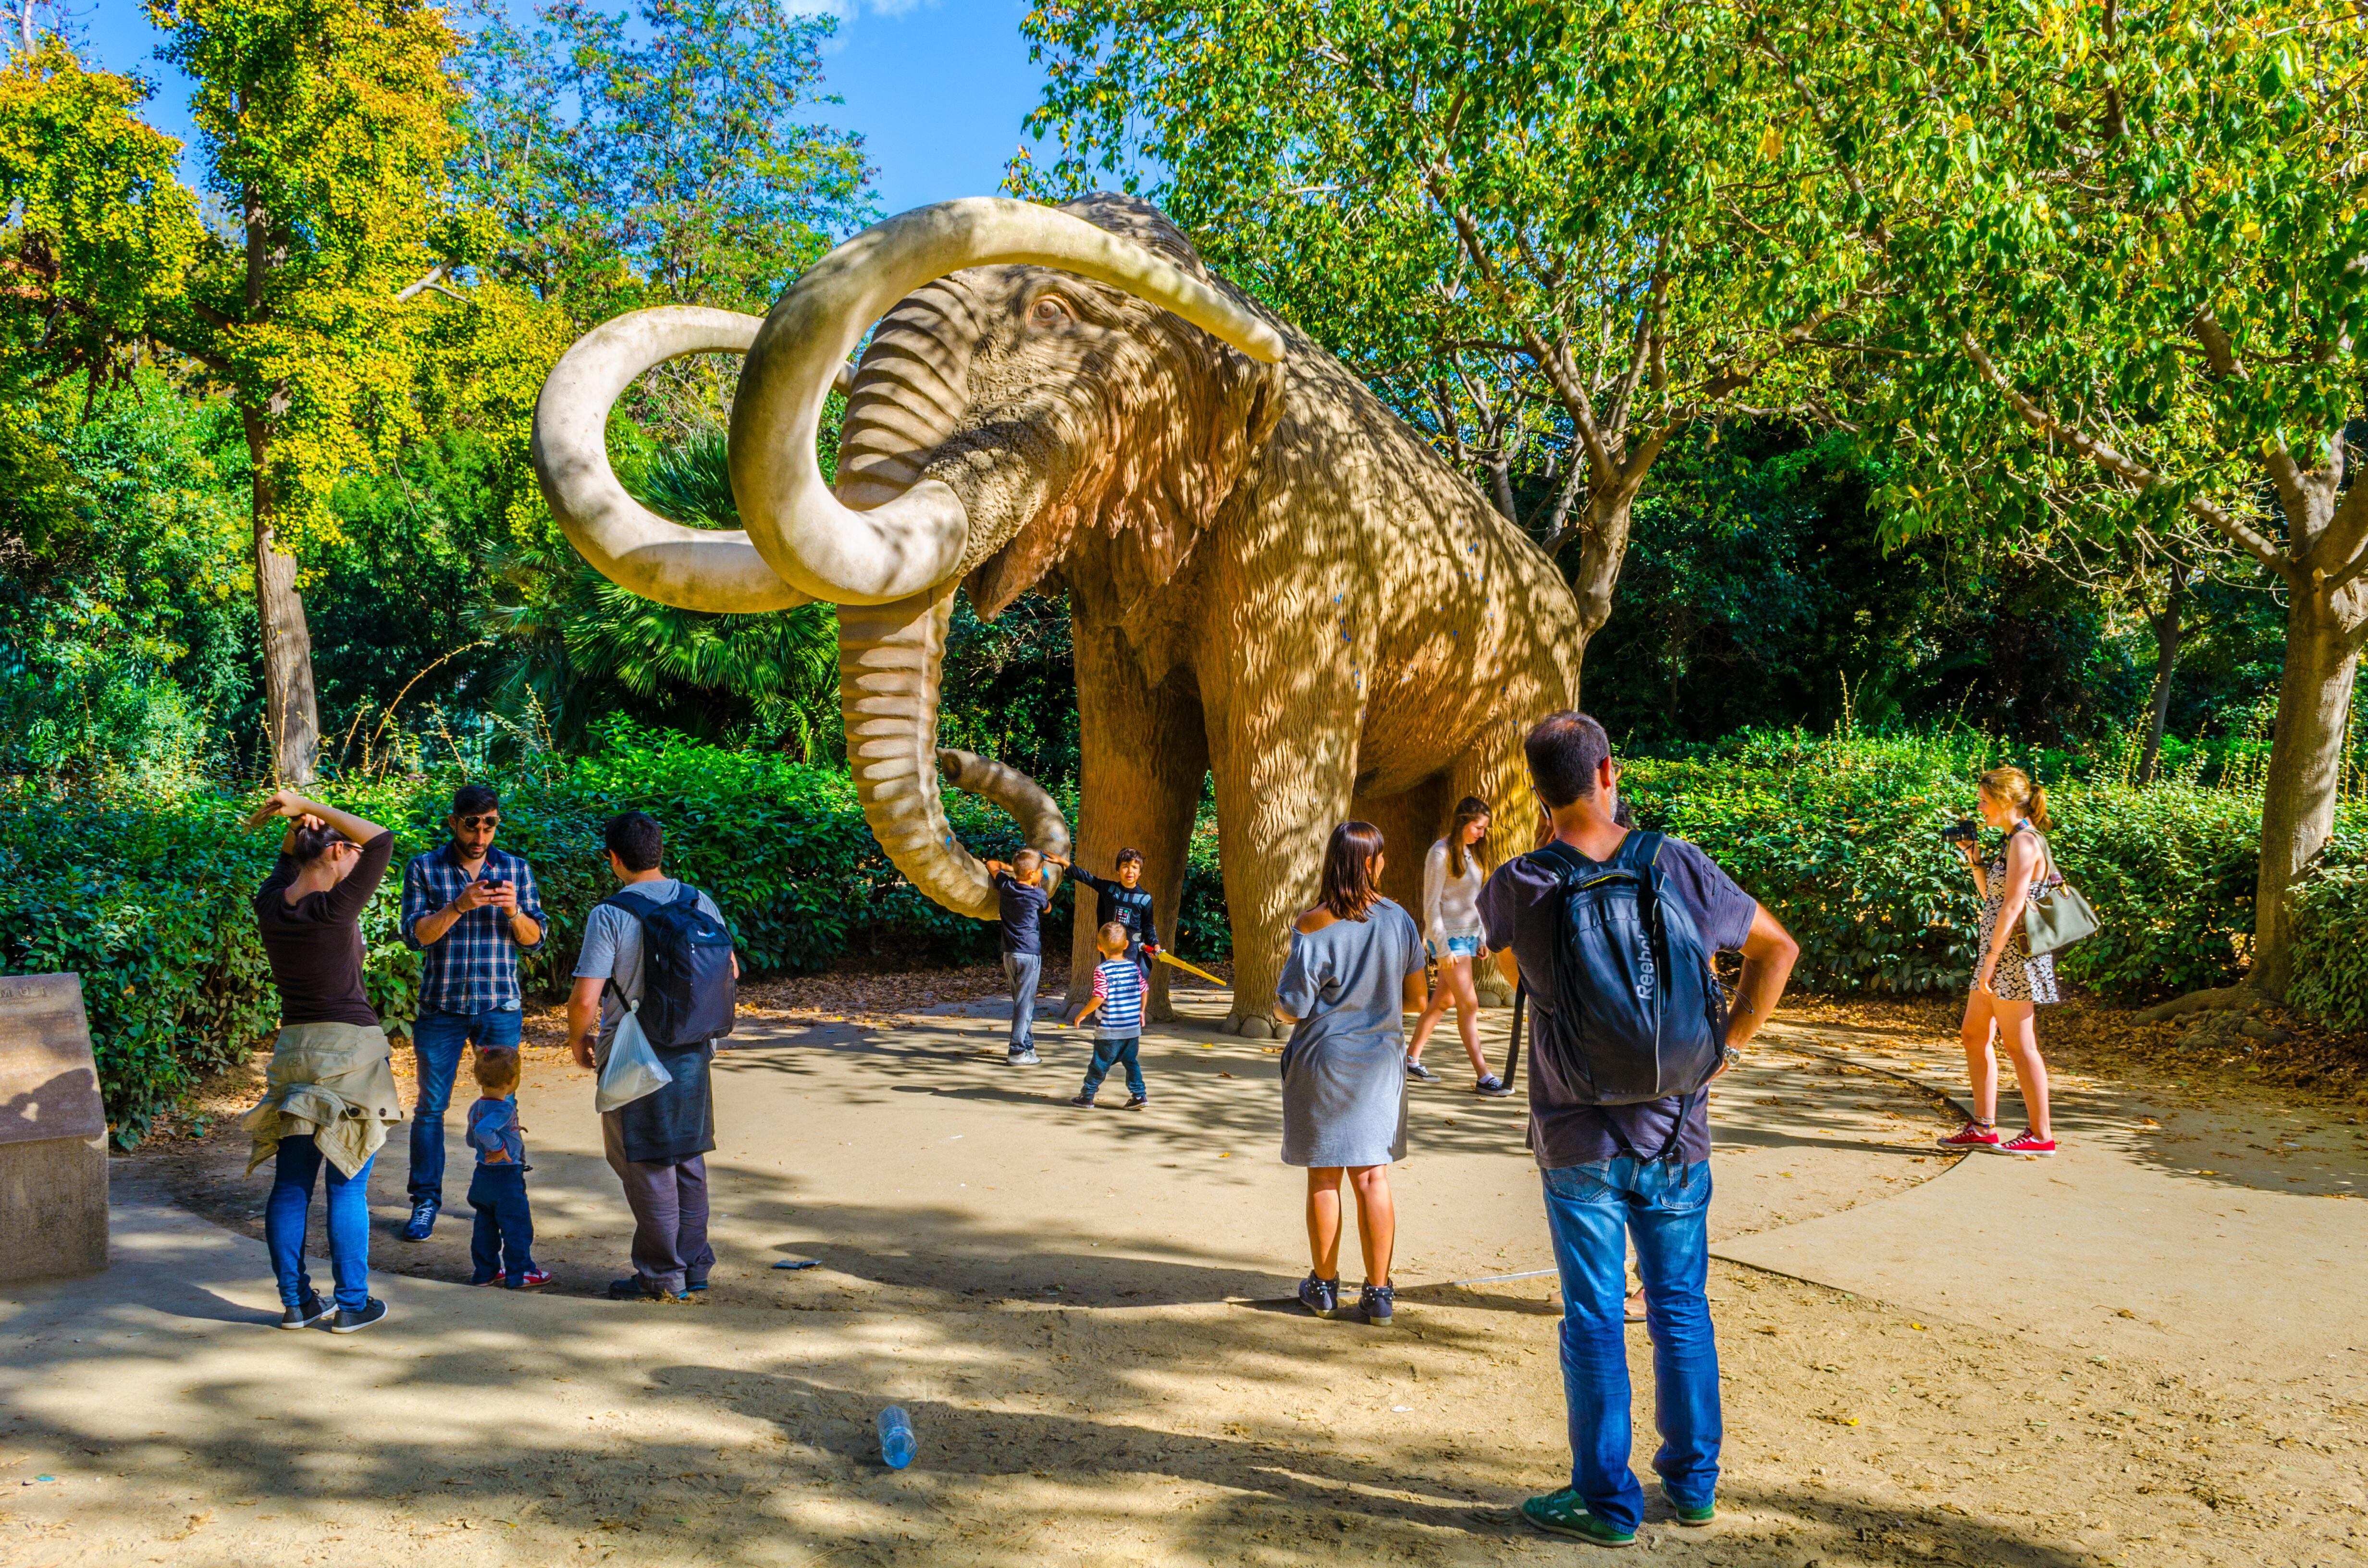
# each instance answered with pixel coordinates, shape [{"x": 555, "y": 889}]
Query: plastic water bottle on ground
[{"x": 895, "y": 1436}]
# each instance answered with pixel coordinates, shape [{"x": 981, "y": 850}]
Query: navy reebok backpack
[
  {"x": 688, "y": 993},
  {"x": 1633, "y": 986}
]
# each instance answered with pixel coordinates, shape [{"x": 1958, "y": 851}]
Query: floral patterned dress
[{"x": 2019, "y": 977}]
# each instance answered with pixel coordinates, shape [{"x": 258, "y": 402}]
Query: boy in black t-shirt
[
  {"x": 1128, "y": 902},
  {"x": 1024, "y": 889}
]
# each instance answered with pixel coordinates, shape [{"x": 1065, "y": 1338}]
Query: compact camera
[{"x": 1962, "y": 832}]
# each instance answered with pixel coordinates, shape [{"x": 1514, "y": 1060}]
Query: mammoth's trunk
[
  {"x": 891, "y": 658},
  {"x": 889, "y": 545}
]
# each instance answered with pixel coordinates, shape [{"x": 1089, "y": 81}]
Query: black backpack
[
  {"x": 688, "y": 993},
  {"x": 1635, "y": 990}
]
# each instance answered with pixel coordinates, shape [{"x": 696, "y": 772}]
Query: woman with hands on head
[
  {"x": 330, "y": 1095},
  {"x": 2009, "y": 985}
]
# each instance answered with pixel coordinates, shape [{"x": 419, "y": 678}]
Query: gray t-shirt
[
  {"x": 1521, "y": 907},
  {"x": 612, "y": 949}
]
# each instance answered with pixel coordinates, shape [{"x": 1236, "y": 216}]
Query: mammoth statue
[{"x": 1273, "y": 579}]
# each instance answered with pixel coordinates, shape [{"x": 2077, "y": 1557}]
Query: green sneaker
[
  {"x": 1562, "y": 1513},
  {"x": 1696, "y": 1518}
]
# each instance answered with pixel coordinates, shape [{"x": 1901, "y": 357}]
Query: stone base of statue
[{"x": 52, "y": 1131}]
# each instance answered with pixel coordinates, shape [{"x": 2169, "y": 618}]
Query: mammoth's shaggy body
[{"x": 1273, "y": 579}]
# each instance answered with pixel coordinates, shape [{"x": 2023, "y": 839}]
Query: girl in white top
[{"x": 1452, "y": 877}]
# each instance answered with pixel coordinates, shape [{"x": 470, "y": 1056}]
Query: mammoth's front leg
[
  {"x": 1285, "y": 761},
  {"x": 1142, "y": 753}
]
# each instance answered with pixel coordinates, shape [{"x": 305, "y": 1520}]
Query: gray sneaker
[
  {"x": 1493, "y": 1087},
  {"x": 373, "y": 1311},
  {"x": 1025, "y": 1057},
  {"x": 1416, "y": 1070}
]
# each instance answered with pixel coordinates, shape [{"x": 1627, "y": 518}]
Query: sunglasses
[{"x": 490, "y": 819}]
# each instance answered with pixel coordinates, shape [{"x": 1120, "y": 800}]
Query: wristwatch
[{"x": 1731, "y": 1056}]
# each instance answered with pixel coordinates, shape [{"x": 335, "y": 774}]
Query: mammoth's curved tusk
[
  {"x": 915, "y": 541},
  {"x": 703, "y": 569}
]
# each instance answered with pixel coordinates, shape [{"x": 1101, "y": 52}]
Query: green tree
[
  {"x": 1507, "y": 212},
  {"x": 660, "y": 158},
  {"x": 2118, "y": 243},
  {"x": 324, "y": 126},
  {"x": 125, "y": 636}
]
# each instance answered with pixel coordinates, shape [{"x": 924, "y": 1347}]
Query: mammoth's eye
[{"x": 1049, "y": 312}]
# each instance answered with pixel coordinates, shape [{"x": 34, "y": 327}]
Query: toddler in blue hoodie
[{"x": 503, "y": 1247}]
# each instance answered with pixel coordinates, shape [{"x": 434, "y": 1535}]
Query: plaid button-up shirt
[{"x": 472, "y": 968}]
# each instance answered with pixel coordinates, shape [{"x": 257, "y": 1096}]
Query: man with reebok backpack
[
  {"x": 1611, "y": 933},
  {"x": 658, "y": 948}
]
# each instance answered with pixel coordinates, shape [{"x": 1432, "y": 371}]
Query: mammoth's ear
[{"x": 1184, "y": 433}]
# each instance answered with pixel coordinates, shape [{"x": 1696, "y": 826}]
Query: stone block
[{"x": 52, "y": 1131}]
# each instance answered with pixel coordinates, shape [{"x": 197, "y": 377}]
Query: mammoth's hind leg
[
  {"x": 1281, "y": 788},
  {"x": 1142, "y": 756},
  {"x": 1410, "y": 821},
  {"x": 1494, "y": 768}
]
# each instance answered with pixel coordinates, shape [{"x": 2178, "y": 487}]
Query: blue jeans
[
  {"x": 1109, "y": 1053},
  {"x": 1022, "y": 969},
  {"x": 504, "y": 1225},
  {"x": 438, "y": 1038},
  {"x": 1591, "y": 1209},
  {"x": 289, "y": 1209}
]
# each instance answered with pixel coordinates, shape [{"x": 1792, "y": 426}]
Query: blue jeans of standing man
[
  {"x": 288, "y": 1212},
  {"x": 437, "y": 1038},
  {"x": 1591, "y": 1209}
]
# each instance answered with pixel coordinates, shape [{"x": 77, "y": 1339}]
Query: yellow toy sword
[{"x": 1164, "y": 955}]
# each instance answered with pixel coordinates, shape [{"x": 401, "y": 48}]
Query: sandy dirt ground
[{"x": 1087, "y": 1314}]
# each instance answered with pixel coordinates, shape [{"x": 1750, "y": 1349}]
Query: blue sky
[{"x": 936, "y": 87}]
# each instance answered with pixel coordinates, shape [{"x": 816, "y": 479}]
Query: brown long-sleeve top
[{"x": 315, "y": 943}]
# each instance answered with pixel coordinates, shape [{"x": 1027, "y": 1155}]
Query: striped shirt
[
  {"x": 472, "y": 968},
  {"x": 1118, "y": 986}
]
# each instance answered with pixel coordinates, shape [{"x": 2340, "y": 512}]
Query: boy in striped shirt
[{"x": 1116, "y": 1013}]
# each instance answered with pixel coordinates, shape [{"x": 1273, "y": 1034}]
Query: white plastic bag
[{"x": 632, "y": 1070}]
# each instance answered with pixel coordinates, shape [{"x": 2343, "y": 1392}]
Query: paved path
[
  {"x": 965, "y": 1215},
  {"x": 2164, "y": 1229}
]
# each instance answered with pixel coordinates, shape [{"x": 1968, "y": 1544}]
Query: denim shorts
[{"x": 1462, "y": 948}]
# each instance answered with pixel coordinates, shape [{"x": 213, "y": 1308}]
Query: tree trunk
[
  {"x": 2167, "y": 634},
  {"x": 2305, "y": 766},
  {"x": 291, "y": 714},
  {"x": 1602, "y": 549}
]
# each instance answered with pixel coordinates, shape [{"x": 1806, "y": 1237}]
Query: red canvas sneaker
[
  {"x": 1973, "y": 1135},
  {"x": 2029, "y": 1143}
]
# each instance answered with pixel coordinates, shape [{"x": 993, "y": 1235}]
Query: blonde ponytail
[{"x": 2014, "y": 787}]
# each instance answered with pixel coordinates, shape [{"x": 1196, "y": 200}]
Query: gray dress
[{"x": 1343, "y": 1071}]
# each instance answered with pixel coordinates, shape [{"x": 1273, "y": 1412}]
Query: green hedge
[
  {"x": 150, "y": 900},
  {"x": 1840, "y": 840},
  {"x": 2330, "y": 907}
]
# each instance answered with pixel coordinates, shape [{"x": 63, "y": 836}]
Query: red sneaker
[
  {"x": 2029, "y": 1143},
  {"x": 535, "y": 1276},
  {"x": 1973, "y": 1135}
]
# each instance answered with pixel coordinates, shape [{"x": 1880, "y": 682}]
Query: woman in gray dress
[{"x": 1355, "y": 969}]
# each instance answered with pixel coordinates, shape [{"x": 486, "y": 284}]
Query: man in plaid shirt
[{"x": 470, "y": 909}]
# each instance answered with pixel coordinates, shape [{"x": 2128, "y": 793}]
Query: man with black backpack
[
  {"x": 658, "y": 948},
  {"x": 1612, "y": 932}
]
